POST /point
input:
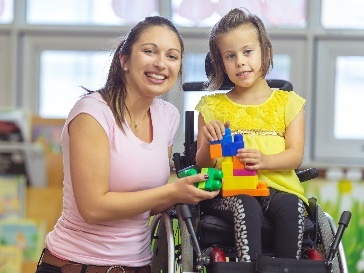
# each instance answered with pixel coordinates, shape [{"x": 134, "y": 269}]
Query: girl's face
[
  {"x": 155, "y": 62},
  {"x": 241, "y": 54}
]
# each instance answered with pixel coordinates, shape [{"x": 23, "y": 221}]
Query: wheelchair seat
[{"x": 214, "y": 231}]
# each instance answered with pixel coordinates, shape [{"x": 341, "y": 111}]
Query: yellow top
[{"x": 263, "y": 127}]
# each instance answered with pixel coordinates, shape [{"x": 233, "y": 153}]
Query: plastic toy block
[
  {"x": 240, "y": 172},
  {"x": 227, "y": 138},
  {"x": 237, "y": 165},
  {"x": 238, "y": 138},
  {"x": 227, "y": 159},
  {"x": 213, "y": 183},
  {"x": 240, "y": 182},
  {"x": 261, "y": 190},
  {"x": 227, "y": 168},
  {"x": 231, "y": 148},
  {"x": 187, "y": 172},
  {"x": 215, "y": 151}
]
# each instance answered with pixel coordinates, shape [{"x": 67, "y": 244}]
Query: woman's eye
[
  {"x": 148, "y": 51},
  {"x": 173, "y": 57}
]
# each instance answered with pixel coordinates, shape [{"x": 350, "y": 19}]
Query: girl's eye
[
  {"x": 230, "y": 56},
  {"x": 247, "y": 52}
]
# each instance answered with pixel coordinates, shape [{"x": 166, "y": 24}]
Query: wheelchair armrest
[{"x": 308, "y": 174}]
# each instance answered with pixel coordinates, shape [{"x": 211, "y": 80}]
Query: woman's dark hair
[
  {"x": 114, "y": 91},
  {"x": 232, "y": 20}
]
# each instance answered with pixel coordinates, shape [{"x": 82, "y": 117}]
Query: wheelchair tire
[
  {"x": 326, "y": 237},
  {"x": 186, "y": 262},
  {"x": 159, "y": 248}
]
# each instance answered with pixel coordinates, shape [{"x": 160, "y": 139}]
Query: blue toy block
[
  {"x": 231, "y": 149},
  {"x": 227, "y": 138}
]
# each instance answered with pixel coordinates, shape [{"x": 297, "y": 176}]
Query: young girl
[{"x": 272, "y": 123}]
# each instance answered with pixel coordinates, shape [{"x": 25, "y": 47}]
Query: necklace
[{"x": 132, "y": 120}]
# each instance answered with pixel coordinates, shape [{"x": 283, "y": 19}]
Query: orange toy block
[
  {"x": 237, "y": 164},
  {"x": 261, "y": 190},
  {"x": 215, "y": 151}
]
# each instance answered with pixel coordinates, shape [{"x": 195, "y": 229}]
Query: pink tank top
[{"x": 134, "y": 165}]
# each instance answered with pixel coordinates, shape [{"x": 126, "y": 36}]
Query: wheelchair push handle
[
  {"x": 343, "y": 223},
  {"x": 308, "y": 174},
  {"x": 345, "y": 218}
]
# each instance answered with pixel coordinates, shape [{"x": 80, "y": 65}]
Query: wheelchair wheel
[
  {"x": 184, "y": 261},
  {"x": 159, "y": 246},
  {"x": 326, "y": 237},
  {"x": 170, "y": 249}
]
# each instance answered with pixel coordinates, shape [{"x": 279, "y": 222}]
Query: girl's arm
[
  {"x": 207, "y": 133},
  {"x": 290, "y": 159},
  {"x": 90, "y": 166}
]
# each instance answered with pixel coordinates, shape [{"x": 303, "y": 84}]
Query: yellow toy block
[
  {"x": 239, "y": 182},
  {"x": 227, "y": 159},
  {"x": 227, "y": 168},
  {"x": 237, "y": 165},
  {"x": 215, "y": 151}
]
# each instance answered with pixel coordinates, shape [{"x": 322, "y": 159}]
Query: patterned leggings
[{"x": 246, "y": 213}]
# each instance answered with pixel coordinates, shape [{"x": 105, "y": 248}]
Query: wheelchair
[{"x": 186, "y": 240}]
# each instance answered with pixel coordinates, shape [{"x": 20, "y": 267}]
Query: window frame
[
  {"x": 6, "y": 96},
  {"x": 34, "y": 45},
  {"x": 328, "y": 148}
]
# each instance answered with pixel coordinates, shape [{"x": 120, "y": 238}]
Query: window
[
  {"x": 62, "y": 75},
  {"x": 192, "y": 13},
  {"x": 55, "y": 69},
  {"x": 342, "y": 14},
  {"x": 6, "y": 11},
  {"x": 349, "y": 97},
  {"x": 48, "y": 49},
  {"x": 89, "y": 12},
  {"x": 339, "y": 131}
]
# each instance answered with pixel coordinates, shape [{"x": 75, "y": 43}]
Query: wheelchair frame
[{"x": 186, "y": 256}]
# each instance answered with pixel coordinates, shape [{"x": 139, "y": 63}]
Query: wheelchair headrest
[{"x": 228, "y": 84}]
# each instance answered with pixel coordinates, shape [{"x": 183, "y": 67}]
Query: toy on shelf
[
  {"x": 236, "y": 179},
  {"x": 213, "y": 183}
]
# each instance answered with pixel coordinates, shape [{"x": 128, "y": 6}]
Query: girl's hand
[
  {"x": 186, "y": 191},
  {"x": 214, "y": 130},
  {"x": 253, "y": 159}
]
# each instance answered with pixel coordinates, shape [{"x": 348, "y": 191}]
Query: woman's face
[{"x": 155, "y": 62}]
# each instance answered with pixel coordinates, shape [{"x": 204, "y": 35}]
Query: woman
[{"x": 117, "y": 142}]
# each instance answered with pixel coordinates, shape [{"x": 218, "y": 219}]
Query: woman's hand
[
  {"x": 253, "y": 159},
  {"x": 187, "y": 192}
]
